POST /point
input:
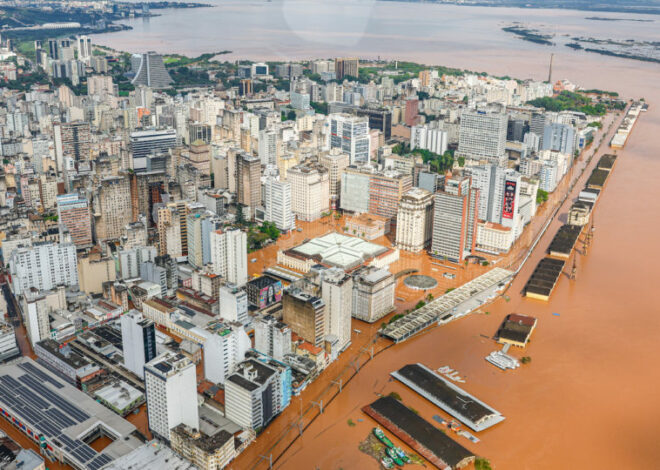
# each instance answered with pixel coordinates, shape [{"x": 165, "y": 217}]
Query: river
[{"x": 589, "y": 398}]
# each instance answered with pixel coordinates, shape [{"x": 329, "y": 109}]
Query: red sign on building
[{"x": 509, "y": 199}]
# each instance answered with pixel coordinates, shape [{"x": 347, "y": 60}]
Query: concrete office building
[
  {"x": 268, "y": 142},
  {"x": 354, "y": 190},
  {"x": 373, "y": 294},
  {"x": 152, "y": 272},
  {"x": 305, "y": 314},
  {"x": 43, "y": 266},
  {"x": 347, "y": 67},
  {"x": 310, "y": 191},
  {"x": 559, "y": 137},
  {"x": 138, "y": 337},
  {"x": 171, "y": 386},
  {"x": 350, "y": 134},
  {"x": 114, "y": 203},
  {"x": 455, "y": 220},
  {"x": 200, "y": 225},
  {"x": 73, "y": 212},
  {"x": 482, "y": 136},
  {"x": 248, "y": 181},
  {"x": 277, "y": 203},
  {"x": 272, "y": 337},
  {"x": 149, "y": 70},
  {"x": 72, "y": 139},
  {"x": 151, "y": 142},
  {"x": 8, "y": 344},
  {"x": 337, "y": 294},
  {"x": 35, "y": 310},
  {"x": 335, "y": 161},
  {"x": 229, "y": 255},
  {"x": 414, "y": 227},
  {"x": 130, "y": 260}
]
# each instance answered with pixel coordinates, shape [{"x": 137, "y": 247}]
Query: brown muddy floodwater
[{"x": 588, "y": 399}]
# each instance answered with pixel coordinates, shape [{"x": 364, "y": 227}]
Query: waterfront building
[
  {"x": 305, "y": 314},
  {"x": 149, "y": 70},
  {"x": 414, "y": 227},
  {"x": 272, "y": 337},
  {"x": 373, "y": 294}
]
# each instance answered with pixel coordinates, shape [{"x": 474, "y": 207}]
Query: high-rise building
[
  {"x": 248, "y": 181},
  {"x": 34, "y": 309},
  {"x": 151, "y": 142},
  {"x": 334, "y": 161},
  {"x": 272, "y": 337},
  {"x": 559, "y": 137},
  {"x": 43, "y": 266},
  {"x": 385, "y": 191},
  {"x": 114, "y": 203},
  {"x": 455, "y": 220},
  {"x": 199, "y": 228},
  {"x": 138, "y": 337},
  {"x": 373, "y": 293},
  {"x": 72, "y": 139},
  {"x": 256, "y": 393},
  {"x": 337, "y": 294},
  {"x": 149, "y": 70},
  {"x": 233, "y": 303},
  {"x": 414, "y": 226},
  {"x": 347, "y": 67},
  {"x": 411, "y": 116},
  {"x": 268, "y": 141},
  {"x": 171, "y": 385},
  {"x": 350, "y": 134},
  {"x": 310, "y": 188},
  {"x": 229, "y": 255},
  {"x": 427, "y": 138},
  {"x": 73, "y": 212},
  {"x": 84, "y": 44},
  {"x": 482, "y": 136},
  {"x": 305, "y": 314},
  {"x": 172, "y": 226},
  {"x": 277, "y": 203},
  {"x": 499, "y": 190},
  {"x": 224, "y": 347}
]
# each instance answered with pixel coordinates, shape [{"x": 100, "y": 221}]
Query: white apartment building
[
  {"x": 427, "y": 138},
  {"x": 35, "y": 311},
  {"x": 224, "y": 347},
  {"x": 334, "y": 161},
  {"x": 171, "y": 386},
  {"x": 337, "y": 294},
  {"x": 268, "y": 142},
  {"x": 493, "y": 238},
  {"x": 277, "y": 203},
  {"x": 350, "y": 134},
  {"x": 414, "y": 226},
  {"x": 138, "y": 337},
  {"x": 310, "y": 191},
  {"x": 43, "y": 266},
  {"x": 483, "y": 136},
  {"x": 272, "y": 337},
  {"x": 229, "y": 255}
]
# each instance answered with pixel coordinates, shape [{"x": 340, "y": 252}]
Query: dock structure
[
  {"x": 449, "y": 306},
  {"x": 564, "y": 241},
  {"x": 623, "y": 132},
  {"x": 606, "y": 162},
  {"x": 445, "y": 395},
  {"x": 597, "y": 179},
  {"x": 427, "y": 440},
  {"x": 544, "y": 278},
  {"x": 516, "y": 330}
]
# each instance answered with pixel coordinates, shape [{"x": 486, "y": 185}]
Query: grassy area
[{"x": 27, "y": 49}]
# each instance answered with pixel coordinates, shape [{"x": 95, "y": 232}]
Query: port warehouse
[
  {"x": 516, "y": 330},
  {"x": 423, "y": 437},
  {"x": 564, "y": 240},
  {"x": 544, "y": 278},
  {"x": 623, "y": 132},
  {"x": 446, "y": 307},
  {"x": 60, "y": 418},
  {"x": 448, "y": 397}
]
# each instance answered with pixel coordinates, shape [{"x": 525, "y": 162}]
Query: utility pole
[{"x": 574, "y": 269}]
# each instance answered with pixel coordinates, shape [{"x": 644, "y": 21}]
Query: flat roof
[
  {"x": 339, "y": 250},
  {"x": 62, "y": 414},
  {"x": 433, "y": 444},
  {"x": 151, "y": 455},
  {"x": 545, "y": 276},
  {"x": 118, "y": 394},
  {"x": 450, "y": 398}
]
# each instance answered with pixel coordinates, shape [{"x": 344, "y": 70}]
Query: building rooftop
[
  {"x": 119, "y": 395},
  {"x": 152, "y": 455}
]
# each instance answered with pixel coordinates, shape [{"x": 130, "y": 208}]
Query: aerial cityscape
[{"x": 303, "y": 234}]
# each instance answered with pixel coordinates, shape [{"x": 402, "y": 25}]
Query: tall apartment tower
[
  {"x": 305, "y": 314},
  {"x": 84, "y": 45},
  {"x": 171, "y": 385},
  {"x": 277, "y": 203},
  {"x": 337, "y": 292},
  {"x": 149, "y": 70},
  {"x": 200, "y": 225},
  {"x": 350, "y": 134},
  {"x": 310, "y": 188},
  {"x": 151, "y": 142},
  {"x": 44, "y": 266},
  {"x": 268, "y": 146},
  {"x": 248, "y": 181},
  {"x": 113, "y": 207},
  {"x": 347, "y": 67},
  {"x": 482, "y": 136},
  {"x": 229, "y": 255},
  {"x": 138, "y": 337},
  {"x": 272, "y": 337},
  {"x": 334, "y": 161},
  {"x": 455, "y": 220},
  {"x": 414, "y": 227},
  {"x": 73, "y": 212},
  {"x": 72, "y": 139},
  {"x": 499, "y": 191},
  {"x": 225, "y": 346}
]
